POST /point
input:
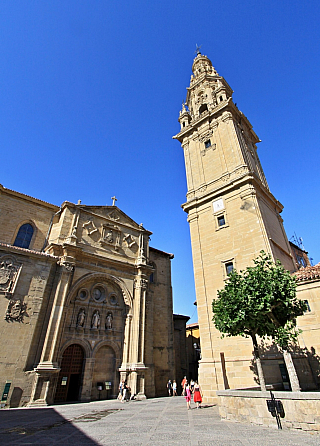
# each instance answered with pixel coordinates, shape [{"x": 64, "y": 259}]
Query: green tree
[{"x": 259, "y": 301}]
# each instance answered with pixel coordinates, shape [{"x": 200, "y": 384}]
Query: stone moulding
[{"x": 301, "y": 409}]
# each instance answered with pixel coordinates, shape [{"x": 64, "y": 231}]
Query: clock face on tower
[{"x": 218, "y": 205}]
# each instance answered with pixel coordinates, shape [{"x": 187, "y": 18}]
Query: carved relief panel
[
  {"x": 98, "y": 309},
  {"x": 9, "y": 274}
]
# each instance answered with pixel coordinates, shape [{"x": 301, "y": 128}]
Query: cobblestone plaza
[{"x": 159, "y": 421}]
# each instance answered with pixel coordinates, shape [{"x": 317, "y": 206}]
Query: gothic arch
[{"x": 102, "y": 277}]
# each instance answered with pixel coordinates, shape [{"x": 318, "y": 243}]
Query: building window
[
  {"x": 24, "y": 236},
  {"x": 221, "y": 220},
  {"x": 229, "y": 268},
  {"x": 151, "y": 278},
  {"x": 301, "y": 261},
  {"x": 308, "y": 306},
  {"x": 207, "y": 144},
  {"x": 221, "y": 98}
]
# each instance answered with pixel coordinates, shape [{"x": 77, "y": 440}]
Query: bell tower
[{"x": 231, "y": 212}]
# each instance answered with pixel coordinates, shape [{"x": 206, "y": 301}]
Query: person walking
[
  {"x": 183, "y": 385},
  {"x": 169, "y": 387},
  {"x": 197, "y": 395},
  {"x": 124, "y": 392},
  {"x": 188, "y": 395},
  {"x": 174, "y": 388},
  {"x": 120, "y": 390}
]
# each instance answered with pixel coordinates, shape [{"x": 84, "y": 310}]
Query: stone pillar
[
  {"x": 87, "y": 379},
  {"x": 138, "y": 335},
  {"x": 47, "y": 370}
]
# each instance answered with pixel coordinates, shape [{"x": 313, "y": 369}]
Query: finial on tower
[
  {"x": 197, "y": 51},
  {"x": 114, "y": 199}
]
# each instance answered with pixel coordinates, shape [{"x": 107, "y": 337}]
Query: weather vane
[{"x": 197, "y": 51}]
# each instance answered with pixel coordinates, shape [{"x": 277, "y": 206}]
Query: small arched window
[
  {"x": 24, "y": 236},
  {"x": 203, "y": 108}
]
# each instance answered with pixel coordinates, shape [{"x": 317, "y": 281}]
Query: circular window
[
  {"x": 113, "y": 299},
  {"x": 83, "y": 294},
  {"x": 98, "y": 293}
]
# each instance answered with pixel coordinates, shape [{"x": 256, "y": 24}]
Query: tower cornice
[
  {"x": 227, "y": 105},
  {"x": 211, "y": 195}
]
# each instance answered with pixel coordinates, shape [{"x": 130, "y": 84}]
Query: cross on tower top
[
  {"x": 114, "y": 199},
  {"x": 197, "y": 51}
]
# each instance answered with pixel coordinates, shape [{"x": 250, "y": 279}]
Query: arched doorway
[
  {"x": 70, "y": 375},
  {"x": 104, "y": 372}
]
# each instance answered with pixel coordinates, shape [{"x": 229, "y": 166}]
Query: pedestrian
[
  {"x": 191, "y": 385},
  {"x": 169, "y": 387},
  {"x": 197, "y": 397},
  {"x": 124, "y": 392},
  {"x": 183, "y": 385},
  {"x": 174, "y": 388},
  {"x": 188, "y": 395},
  {"x": 120, "y": 390}
]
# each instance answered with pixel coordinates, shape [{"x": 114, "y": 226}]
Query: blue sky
[{"x": 90, "y": 93}]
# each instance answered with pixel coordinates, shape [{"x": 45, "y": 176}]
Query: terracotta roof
[
  {"x": 308, "y": 273},
  {"x": 17, "y": 248}
]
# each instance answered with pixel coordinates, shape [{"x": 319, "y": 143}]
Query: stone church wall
[{"x": 21, "y": 333}]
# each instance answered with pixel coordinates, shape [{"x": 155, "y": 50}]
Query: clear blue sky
[{"x": 90, "y": 93}]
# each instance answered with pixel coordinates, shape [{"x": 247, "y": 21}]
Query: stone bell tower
[{"x": 231, "y": 212}]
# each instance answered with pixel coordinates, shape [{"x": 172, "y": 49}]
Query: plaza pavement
[{"x": 153, "y": 422}]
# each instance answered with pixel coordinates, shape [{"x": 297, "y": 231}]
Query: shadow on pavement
[{"x": 30, "y": 426}]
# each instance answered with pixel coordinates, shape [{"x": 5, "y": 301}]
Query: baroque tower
[{"x": 231, "y": 212}]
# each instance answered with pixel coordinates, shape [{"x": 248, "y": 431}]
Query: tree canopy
[{"x": 261, "y": 300}]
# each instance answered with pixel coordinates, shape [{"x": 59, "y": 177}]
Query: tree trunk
[
  {"x": 258, "y": 362},
  {"x": 294, "y": 381}
]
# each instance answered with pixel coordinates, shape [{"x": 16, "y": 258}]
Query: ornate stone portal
[{"x": 82, "y": 302}]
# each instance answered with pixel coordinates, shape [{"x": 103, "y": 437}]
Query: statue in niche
[
  {"x": 109, "y": 320},
  {"x": 81, "y": 318},
  {"x": 109, "y": 236},
  {"x": 95, "y": 323}
]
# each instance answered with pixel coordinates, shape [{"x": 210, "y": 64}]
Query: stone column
[
  {"x": 47, "y": 369},
  {"x": 138, "y": 334},
  {"x": 126, "y": 342}
]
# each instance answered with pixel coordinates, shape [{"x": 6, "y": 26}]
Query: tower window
[
  {"x": 183, "y": 124},
  {"x": 221, "y": 220},
  {"x": 229, "y": 267},
  {"x": 24, "y": 236},
  {"x": 221, "y": 98},
  {"x": 207, "y": 144},
  {"x": 203, "y": 108},
  {"x": 308, "y": 306}
]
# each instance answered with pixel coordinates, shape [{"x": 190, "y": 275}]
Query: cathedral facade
[
  {"x": 232, "y": 216},
  {"x": 86, "y": 302}
]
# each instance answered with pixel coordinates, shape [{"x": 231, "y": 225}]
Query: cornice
[
  {"x": 193, "y": 126},
  {"x": 246, "y": 178}
]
